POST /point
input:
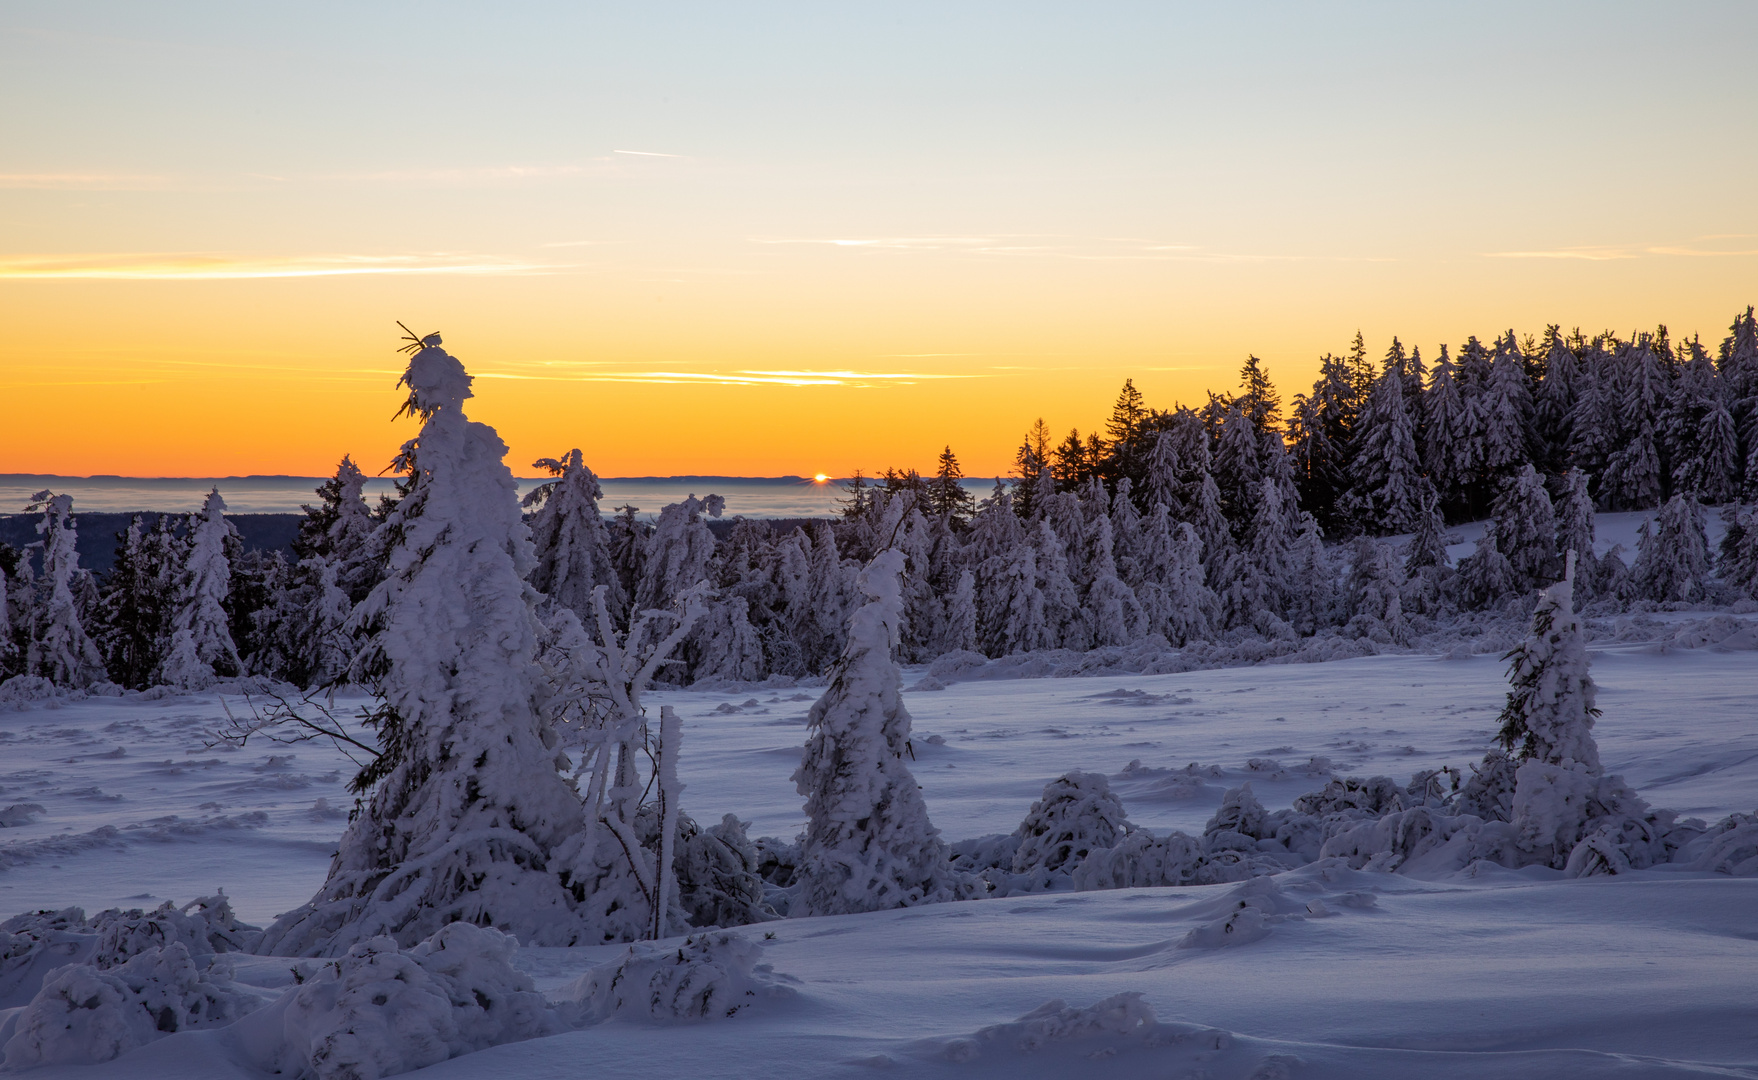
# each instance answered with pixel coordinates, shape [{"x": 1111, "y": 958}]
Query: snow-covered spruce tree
[
  {"x": 1311, "y": 578},
  {"x": 1175, "y": 600},
  {"x": 1064, "y": 621},
  {"x": 959, "y": 632},
  {"x": 1506, "y": 408},
  {"x": 1113, "y": 611},
  {"x": 1550, "y": 709},
  {"x": 465, "y": 811},
  {"x": 678, "y": 552},
  {"x": 1485, "y": 578},
  {"x": 1564, "y": 811},
  {"x": 1554, "y": 402},
  {"x": 868, "y": 844},
  {"x": 1672, "y": 556},
  {"x": 1447, "y": 422},
  {"x": 1526, "y": 530},
  {"x": 1632, "y": 478},
  {"x": 1574, "y": 513},
  {"x": 135, "y": 609},
  {"x": 1256, "y": 588},
  {"x": 1386, "y": 476},
  {"x": 568, "y": 536},
  {"x": 60, "y": 649},
  {"x": 1739, "y": 550},
  {"x": 201, "y": 648},
  {"x": 8, "y": 638},
  {"x": 1698, "y": 430}
]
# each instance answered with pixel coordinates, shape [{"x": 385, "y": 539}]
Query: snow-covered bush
[
  {"x": 710, "y": 976},
  {"x": 85, "y": 1013},
  {"x": 379, "y": 1010},
  {"x": 1076, "y": 815}
]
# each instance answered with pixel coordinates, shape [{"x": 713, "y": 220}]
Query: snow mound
[
  {"x": 709, "y": 977},
  {"x": 85, "y": 1014},
  {"x": 379, "y": 1011}
]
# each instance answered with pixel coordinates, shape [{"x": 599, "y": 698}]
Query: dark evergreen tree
[{"x": 947, "y": 496}]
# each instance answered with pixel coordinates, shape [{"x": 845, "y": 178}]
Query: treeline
[{"x": 1192, "y": 523}]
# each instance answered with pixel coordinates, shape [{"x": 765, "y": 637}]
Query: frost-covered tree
[
  {"x": 1485, "y": 577},
  {"x": 1506, "y": 410},
  {"x": 1632, "y": 479},
  {"x": 137, "y": 602},
  {"x": 1702, "y": 440},
  {"x": 573, "y": 550},
  {"x": 1311, "y": 586},
  {"x": 1554, "y": 402},
  {"x": 1175, "y": 600},
  {"x": 1385, "y": 475},
  {"x": 1526, "y": 530},
  {"x": 1672, "y": 554},
  {"x": 466, "y": 817},
  {"x": 1427, "y": 572},
  {"x": 868, "y": 843},
  {"x": 60, "y": 649},
  {"x": 1256, "y": 590},
  {"x": 1238, "y": 471},
  {"x": 1064, "y": 620},
  {"x": 1448, "y": 424},
  {"x": 678, "y": 553},
  {"x": 201, "y": 647},
  {"x": 1739, "y": 550},
  {"x": 1550, "y": 709},
  {"x": 1113, "y": 611}
]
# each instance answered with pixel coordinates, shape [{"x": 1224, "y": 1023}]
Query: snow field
[{"x": 1321, "y": 972}]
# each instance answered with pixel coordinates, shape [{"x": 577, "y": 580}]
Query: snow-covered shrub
[
  {"x": 717, "y": 873},
  {"x": 1125, "y": 1015},
  {"x": 868, "y": 843},
  {"x": 1076, "y": 815},
  {"x": 710, "y": 976},
  {"x": 85, "y": 1013},
  {"x": 1730, "y": 846},
  {"x": 379, "y": 1010},
  {"x": 1240, "y": 821}
]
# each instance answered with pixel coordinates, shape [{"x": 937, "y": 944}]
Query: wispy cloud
[
  {"x": 203, "y": 266},
  {"x": 1056, "y": 246},
  {"x": 646, "y": 153},
  {"x": 744, "y": 377},
  {"x": 71, "y": 181},
  {"x": 1703, "y": 247}
]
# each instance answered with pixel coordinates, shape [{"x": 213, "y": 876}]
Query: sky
[{"x": 784, "y": 239}]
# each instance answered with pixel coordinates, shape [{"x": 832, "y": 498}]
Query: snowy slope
[{"x": 1402, "y": 978}]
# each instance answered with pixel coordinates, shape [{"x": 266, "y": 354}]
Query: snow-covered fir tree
[
  {"x": 1507, "y": 413},
  {"x": 201, "y": 647},
  {"x": 868, "y": 843},
  {"x": 677, "y": 553},
  {"x": 1672, "y": 554},
  {"x": 138, "y": 596},
  {"x": 1701, "y": 437},
  {"x": 1445, "y": 412},
  {"x": 466, "y": 817},
  {"x": 1485, "y": 578},
  {"x": 567, "y": 533},
  {"x": 1526, "y": 530},
  {"x": 60, "y": 649},
  {"x": 1633, "y": 478},
  {"x": 1386, "y": 475}
]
